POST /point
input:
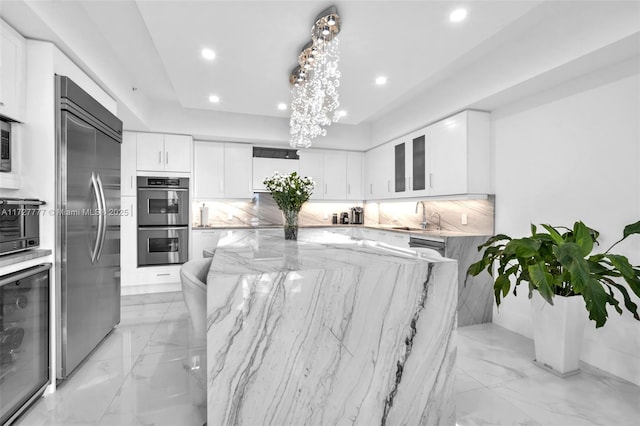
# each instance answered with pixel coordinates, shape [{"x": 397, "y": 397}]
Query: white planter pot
[{"x": 558, "y": 331}]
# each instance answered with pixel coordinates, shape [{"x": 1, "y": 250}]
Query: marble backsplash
[
  {"x": 263, "y": 211},
  {"x": 479, "y": 215}
]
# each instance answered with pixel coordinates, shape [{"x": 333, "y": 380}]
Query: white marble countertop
[
  {"x": 329, "y": 330},
  {"x": 266, "y": 250}
]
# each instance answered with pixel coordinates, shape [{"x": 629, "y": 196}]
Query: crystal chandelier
[{"x": 315, "y": 82}]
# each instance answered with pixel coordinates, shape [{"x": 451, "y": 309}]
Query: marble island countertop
[
  {"x": 393, "y": 228},
  {"x": 329, "y": 330}
]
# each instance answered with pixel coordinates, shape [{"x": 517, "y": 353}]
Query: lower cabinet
[{"x": 203, "y": 239}]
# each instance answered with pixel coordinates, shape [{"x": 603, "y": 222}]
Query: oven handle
[
  {"x": 14, "y": 202},
  {"x": 94, "y": 185},
  {"x": 166, "y": 189},
  {"x": 103, "y": 215},
  {"x": 164, "y": 228},
  {"x": 25, "y": 273}
]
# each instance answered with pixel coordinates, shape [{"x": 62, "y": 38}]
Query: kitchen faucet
[
  {"x": 423, "y": 224},
  {"x": 436, "y": 214}
]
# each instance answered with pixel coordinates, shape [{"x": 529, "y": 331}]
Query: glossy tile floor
[{"x": 145, "y": 373}]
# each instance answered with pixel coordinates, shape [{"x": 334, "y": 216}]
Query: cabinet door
[
  {"x": 355, "y": 162},
  {"x": 203, "y": 239},
  {"x": 447, "y": 142},
  {"x": 177, "y": 153},
  {"x": 150, "y": 151},
  {"x": 128, "y": 241},
  {"x": 312, "y": 165},
  {"x": 238, "y": 164},
  {"x": 418, "y": 151},
  {"x": 208, "y": 168},
  {"x": 335, "y": 175},
  {"x": 400, "y": 169},
  {"x": 12, "y": 73},
  {"x": 128, "y": 164},
  {"x": 379, "y": 172}
]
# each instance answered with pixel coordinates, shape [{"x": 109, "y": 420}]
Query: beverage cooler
[{"x": 24, "y": 339}]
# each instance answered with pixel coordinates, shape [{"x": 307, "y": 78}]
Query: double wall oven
[{"x": 163, "y": 220}]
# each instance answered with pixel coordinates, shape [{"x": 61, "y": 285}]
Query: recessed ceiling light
[
  {"x": 342, "y": 113},
  {"x": 208, "y": 54},
  {"x": 214, "y": 99},
  {"x": 381, "y": 80},
  {"x": 458, "y": 15},
  {"x": 282, "y": 106}
]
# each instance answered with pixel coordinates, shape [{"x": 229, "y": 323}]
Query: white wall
[{"x": 574, "y": 158}]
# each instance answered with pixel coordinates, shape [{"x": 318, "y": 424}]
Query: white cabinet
[
  {"x": 128, "y": 165},
  {"x": 208, "y": 170},
  {"x": 355, "y": 166},
  {"x": 338, "y": 174},
  {"x": 450, "y": 157},
  {"x": 168, "y": 153},
  {"x": 379, "y": 172},
  {"x": 459, "y": 155},
  {"x": 238, "y": 177},
  {"x": 203, "y": 239},
  {"x": 222, "y": 170},
  {"x": 128, "y": 242},
  {"x": 312, "y": 165},
  {"x": 335, "y": 175},
  {"x": 12, "y": 73}
]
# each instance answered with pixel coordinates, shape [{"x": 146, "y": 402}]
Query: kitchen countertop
[
  {"x": 22, "y": 256},
  {"x": 329, "y": 329},
  {"x": 392, "y": 228}
]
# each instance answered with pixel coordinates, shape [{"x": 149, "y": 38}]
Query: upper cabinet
[
  {"x": 159, "y": 152},
  {"x": 338, "y": 174},
  {"x": 128, "y": 165},
  {"x": 222, "y": 170},
  {"x": 450, "y": 157},
  {"x": 12, "y": 73}
]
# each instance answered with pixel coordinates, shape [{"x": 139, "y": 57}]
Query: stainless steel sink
[{"x": 407, "y": 228}]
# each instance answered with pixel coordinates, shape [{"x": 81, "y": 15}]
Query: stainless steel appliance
[
  {"x": 163, "y": 220},
  {"x": 19, "y": 224},
  {"x": 163, "y": 201},
  {"x": 431, "y": 243},
  {"x": 5, "y": 146},
  {"x": 344, "y": 218},
  {"x": 87, "y": 224},
  {"x": 24, "y": 339},
  {"x": 357, "y": 216}
]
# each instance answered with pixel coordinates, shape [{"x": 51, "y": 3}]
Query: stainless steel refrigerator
[{"x": 89, "y": 139}]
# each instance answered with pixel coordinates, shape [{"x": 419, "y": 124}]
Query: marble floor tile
[
  {"x": 465, "y": 382},
  {"x": 483, "y": 406},
  {"x": 146, "y": 299},
  {"x": 143, "y": 314}
]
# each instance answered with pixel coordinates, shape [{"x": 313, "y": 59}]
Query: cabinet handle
[
  {"x": 388, "y": 186},
  {"x": 349, "y": 188},
  {"x": 159, "y": 157},
  {"x": 166, "y": 157},
  {"x": 162, "y": 275},
  {"x": 131, "y": 181},
  {"x": 221, "y": 187},
  {"x": 430, "y": 180},
  {"x": 371, "y": 189},
  {"x": 325, "y": 188}
]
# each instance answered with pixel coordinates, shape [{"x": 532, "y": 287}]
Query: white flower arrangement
[{"x": 290, "y": 191}]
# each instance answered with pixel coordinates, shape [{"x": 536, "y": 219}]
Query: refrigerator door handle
[
  {"x": 103, "y": 216},
  {"x": 96, "y": 193}
]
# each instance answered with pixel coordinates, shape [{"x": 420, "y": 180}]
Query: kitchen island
[{"x": 329, "y": 330}]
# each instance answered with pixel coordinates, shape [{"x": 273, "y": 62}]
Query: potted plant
[
  {"x": 559, "y": 262},
  {"x": 290, "y": 192}
]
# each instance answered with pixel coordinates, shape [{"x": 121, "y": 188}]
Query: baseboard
[{"x": 149, "y": 288}]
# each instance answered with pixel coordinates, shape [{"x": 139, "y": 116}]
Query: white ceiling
[
  {"x": 155, "y": 46},
  {"x": 257, "y": 43}
]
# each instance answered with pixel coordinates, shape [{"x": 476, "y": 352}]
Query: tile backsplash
[
  {"x": 479, "y": 214},
  {"x": 263, "y": 211}
]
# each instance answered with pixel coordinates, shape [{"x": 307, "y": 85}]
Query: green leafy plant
[
  {"x": 290, "y": 191},
  {"x": 559, "y": 262}
]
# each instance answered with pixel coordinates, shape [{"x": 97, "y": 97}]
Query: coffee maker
[{"x": 357, "y": 215}]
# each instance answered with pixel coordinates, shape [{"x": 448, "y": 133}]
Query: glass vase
[{"x": 290, "y": 224}]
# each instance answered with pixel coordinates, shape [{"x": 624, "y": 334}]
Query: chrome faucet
[
  {"x": 436, "y": 214},
  {"x": 423, "y": 224}
]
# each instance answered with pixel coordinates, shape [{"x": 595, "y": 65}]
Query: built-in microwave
[
  {"x": 19, "y": 224},
  {"x": 5, "y": 146}
]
